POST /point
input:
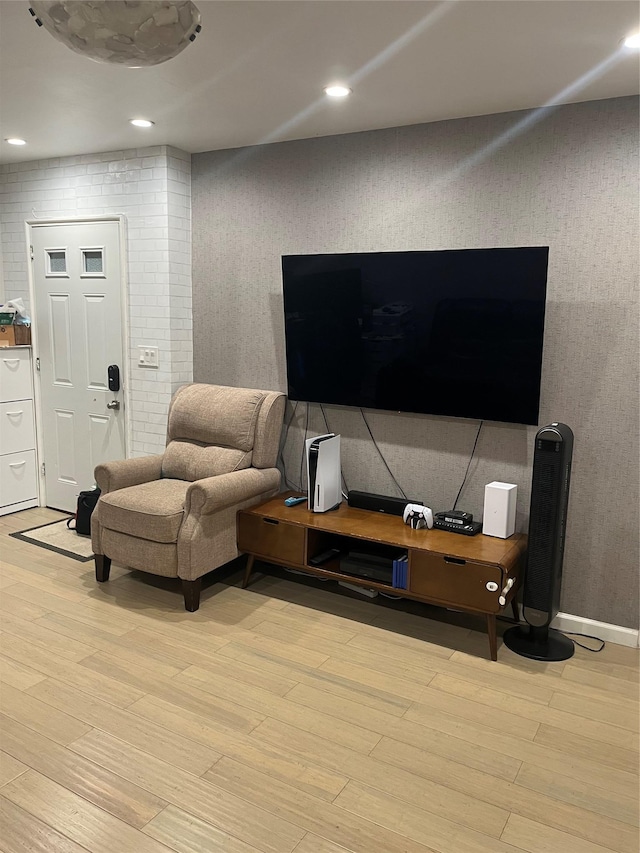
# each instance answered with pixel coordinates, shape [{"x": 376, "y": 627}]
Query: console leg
[
  {"x": 515, "y": 609},
  {"x": 493, "y": 636},
  {"x": 191, "y": 592},
  {"x": 103, "y": 567},
  {"x": 247, "y": 571}
]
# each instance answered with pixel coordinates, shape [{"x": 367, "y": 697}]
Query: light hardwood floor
[{"x": 286, "y": 718}]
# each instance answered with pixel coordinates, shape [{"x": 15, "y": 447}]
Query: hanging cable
[
  {"x": 286, "y": 435},
  {"x": 399, "y": 487},
  {"x": 345, "y": 494},
  {"x": 466, "y": 473},
  {"x": 304, "y": 442}
]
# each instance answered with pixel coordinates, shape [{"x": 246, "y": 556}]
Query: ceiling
[{"x": 256, "y": 71}]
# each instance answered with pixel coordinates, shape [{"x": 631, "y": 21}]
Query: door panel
[
  {"x": 60, "y": 338},
  {"x": 78, "y": 321},
  {"x": 99, "y": 438},
  {"x": 96, "y": 342},
  {"x": 65, "y": 458}
]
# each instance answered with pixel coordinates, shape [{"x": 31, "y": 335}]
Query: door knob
[{"x": 114, "y": 404}]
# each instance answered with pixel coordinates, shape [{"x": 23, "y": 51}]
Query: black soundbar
[{"x": 379, "y": 503}]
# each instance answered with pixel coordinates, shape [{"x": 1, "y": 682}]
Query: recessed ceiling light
[
  {"x": 632, "y": 41},
  {"x": 141, "y": 122},
  {"x": 13, "y": 140},
  {"x": 337, "y": 91}
]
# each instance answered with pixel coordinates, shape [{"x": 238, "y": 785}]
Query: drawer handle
[
  {"x": 270, "y": 521},
  {"x": 14, "y": 414},
  {"x": 17, "y": 464},
  {"x": 456, "y": 560},
  {"x": 11, "y": 360},
  {"x": 502, "y": 600}
]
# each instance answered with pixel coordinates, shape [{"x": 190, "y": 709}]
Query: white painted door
[{"x": 78, "y": 324}]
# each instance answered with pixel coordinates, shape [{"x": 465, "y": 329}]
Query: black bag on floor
[{"x": 86, "y": 504}]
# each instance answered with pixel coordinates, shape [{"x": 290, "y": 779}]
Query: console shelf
[{"x": 465, "y": 573}]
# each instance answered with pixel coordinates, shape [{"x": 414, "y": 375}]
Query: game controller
[
  {"x": 417, "y": 516},
  {"x": 293, "y": 501}
]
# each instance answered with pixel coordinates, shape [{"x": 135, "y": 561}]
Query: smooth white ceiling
[{"x": 256, "y": 71}]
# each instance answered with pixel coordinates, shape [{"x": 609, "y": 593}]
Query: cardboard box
[{"x": 15, "y": 336}]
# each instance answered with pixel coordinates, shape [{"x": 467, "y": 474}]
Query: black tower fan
[{"x": 547, "y": 526}]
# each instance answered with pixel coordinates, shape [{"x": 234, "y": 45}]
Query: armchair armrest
[
  {"x": 123, "y": 473},
  {"x": 215, "y": 493}
]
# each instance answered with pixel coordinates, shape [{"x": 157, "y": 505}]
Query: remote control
[
  {"x": 293, "y": 501},
  {"x": 325, "y": 556}
]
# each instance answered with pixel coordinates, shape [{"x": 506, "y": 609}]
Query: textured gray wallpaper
[{"x": 566, "y": 178}]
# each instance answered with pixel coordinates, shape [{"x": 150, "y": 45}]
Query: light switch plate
[{"x": 147, "y": 356}]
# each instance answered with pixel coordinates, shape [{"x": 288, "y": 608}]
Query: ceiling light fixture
[
  {"x": 337, "y": 91},
  {"x": 141, "y": 122},
  {"x": 123, "y": 32},
  {"x": 14, "y": 140},
  {"x": 632, "y": 41}
]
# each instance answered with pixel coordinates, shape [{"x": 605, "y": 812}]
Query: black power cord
[
  {"x": 588, "y": 637},
  {"x": 345, "y": 494},
  {"x": 306, "y": 429},
  {"x": 286, "y": 435},
  {"x": 466, "y": 473},
  {"x": 566, "y": 634},
  {"x": 399, "y": 487}
]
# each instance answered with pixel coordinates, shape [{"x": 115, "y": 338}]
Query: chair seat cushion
[{"x": 152, "y": 511}]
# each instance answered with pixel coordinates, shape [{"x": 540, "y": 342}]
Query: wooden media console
[{"x": 468, "y": 573}]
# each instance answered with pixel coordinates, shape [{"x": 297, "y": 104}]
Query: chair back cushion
[
  {"x": 190, "y": 460},
  {"x": 211, "y": 431}
]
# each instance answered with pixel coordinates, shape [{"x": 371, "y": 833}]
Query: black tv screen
[{"x": 456, "y": 333}]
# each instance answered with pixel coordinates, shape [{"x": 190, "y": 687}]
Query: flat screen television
[{"x": 456, "y": 333}]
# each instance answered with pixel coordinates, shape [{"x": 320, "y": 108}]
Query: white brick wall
[
  {"x": 179, "y": 202},
  {"x": 151, "y": 187}
]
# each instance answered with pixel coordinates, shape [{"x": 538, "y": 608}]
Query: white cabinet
[
  {"x": 18, "y": 464},
  {"x": 16, "y": 426}
]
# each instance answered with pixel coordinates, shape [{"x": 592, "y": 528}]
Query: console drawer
[
  {"x": 267, "y": 537},
  {"x": 454, "y": 581}
]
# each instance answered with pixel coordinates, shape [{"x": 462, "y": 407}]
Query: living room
[{"x": 563, "y": 176}]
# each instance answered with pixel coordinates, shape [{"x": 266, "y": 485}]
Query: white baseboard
[
  {"x": 609, "y": 633},
  {"x": 7, "y": 510}
]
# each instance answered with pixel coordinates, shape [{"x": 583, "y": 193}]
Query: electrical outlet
[{"x": 147, "y": 356}]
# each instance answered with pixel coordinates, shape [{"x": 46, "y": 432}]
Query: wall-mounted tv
[{"x": 456, "y": 333}]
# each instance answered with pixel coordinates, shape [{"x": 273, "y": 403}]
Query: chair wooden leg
[
  {"x": 191, "y": 592},
  {"x": 103, "y": 567}
]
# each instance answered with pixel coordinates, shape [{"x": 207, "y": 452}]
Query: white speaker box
[{"x": 499, "y": 517}]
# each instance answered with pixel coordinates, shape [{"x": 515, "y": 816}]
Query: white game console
[{"x": 323, "y": 472}]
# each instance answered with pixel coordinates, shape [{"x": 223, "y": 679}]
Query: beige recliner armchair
[{"x": 175, "y": 514}]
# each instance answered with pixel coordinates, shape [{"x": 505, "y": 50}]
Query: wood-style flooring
[{"x": 288, "y": 718}]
